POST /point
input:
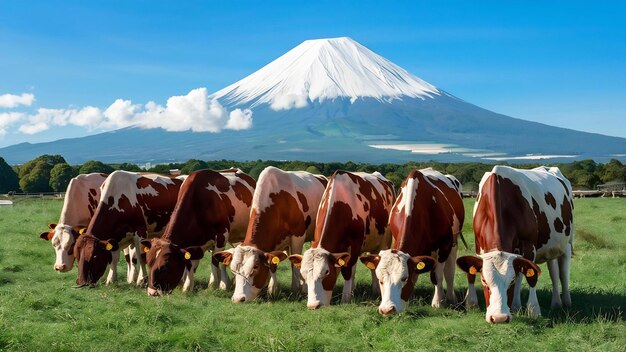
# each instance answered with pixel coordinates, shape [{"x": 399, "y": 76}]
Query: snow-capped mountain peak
[{"x": 322, "y": 69}]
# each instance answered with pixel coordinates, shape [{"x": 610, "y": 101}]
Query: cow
[
  {"x": 521, "y": 218},
  {"x": 212, "y": 209},
  {"x": 132, "y": 206},
  {"x": 425, "y": 221},
  {"x": 81, "y": 200},
  {"x": 283, "y": 214},
  {"x": 352, "y": 219}
]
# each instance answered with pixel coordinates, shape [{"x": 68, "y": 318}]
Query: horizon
[{"x": 559, "y": 64}]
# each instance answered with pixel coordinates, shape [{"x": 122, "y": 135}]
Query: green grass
[{"x": 39, "y": 309}]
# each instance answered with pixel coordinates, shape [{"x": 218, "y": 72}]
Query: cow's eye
[
  {"x": 404, "y": 279},
  {"x": 255, "y": 267},
  {"x": 380, "y": 282},
  {"x": 327, "y": 272}
]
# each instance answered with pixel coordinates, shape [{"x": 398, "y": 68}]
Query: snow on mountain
[{"x": 325, "y": 69}]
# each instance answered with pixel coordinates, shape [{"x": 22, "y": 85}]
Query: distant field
[{"x": 40, "y": 311}]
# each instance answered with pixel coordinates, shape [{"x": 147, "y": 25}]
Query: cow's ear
[
  {"x": 145, "y": 246},
  {"x": 111, "y": 245},
  {"x": 371, "y": 261},
  {"x": 52, "y": 226},
  {"x": 296, "y": 260},
  {"x": 224, "y": 257},
  {"x": 528, "y": 269},
  {"x": 421, "y": 263},
  {"x": 193, "y": 253},
  {"x": 275, "y": 257},
  {"x": 470, "y": 264},
  {"x": 46, "y": 235},
  {"x": 340, "y": 259}
]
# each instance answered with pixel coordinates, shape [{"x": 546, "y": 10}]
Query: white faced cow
[
  {"x": 132, "y": 207},
  {"x": 425, "y": 221},
  {"x": 81, "y": 200},
  {"x": 212, "y": 209},
  {"x": 283, "y": 214},
  {"x": 521, "y": 218},
  {"x": 352, "y": 219}
]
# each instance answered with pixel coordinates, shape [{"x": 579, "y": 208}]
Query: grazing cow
[
  {"x": 425, "y": 220},
  {"x": 132, "y": 206},
  {"x": 212, "y": 209},
  {"x": 352, "y": 219},
  {"x": 81, "y": 200},
  {"x": 283, "y": 214},
  {"x": 521, "y": 218}
]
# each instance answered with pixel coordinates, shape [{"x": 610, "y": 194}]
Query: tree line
[{"x": 51, "y": 173}]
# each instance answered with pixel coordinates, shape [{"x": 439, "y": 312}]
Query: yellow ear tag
[
  {"x": 82, "y": 231},
  {"x": 146, "y": 249},
  {"x": 472, "y": 270},
  {"x": 530, "y": 273},
  {"x": 109, "y": 246},
  {"x": 187, "y": 255},
  {"x": 421, "y": 265},
  {"x": 340, "y": 262},
  {"x": 371, "y": 266},
  {"x": 275, "y": 260}
]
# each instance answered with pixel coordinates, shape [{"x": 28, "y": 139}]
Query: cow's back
[
  {"x": 355, "y": 209},
  {"x": 284, "y": 204},
  {"x": 81, "y": 199},
  {"x": 524, "y": 211},
  {"x": 427, "y": 214},
  {"x": 211, "y": 204}
]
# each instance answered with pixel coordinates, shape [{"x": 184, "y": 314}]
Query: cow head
[
  {"x": 92, "y": 256},
  {"x": 62, "y": 237},
  {"x": 167, "y": 263},
  {"x": 251, "y": 267},
  {"x": 498, "y": 271},
  {"x": 319, "y": 269},
  {"x": 397, "y": 273}
]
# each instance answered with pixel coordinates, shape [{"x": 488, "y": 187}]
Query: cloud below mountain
[{"x": 195, "y": 112}]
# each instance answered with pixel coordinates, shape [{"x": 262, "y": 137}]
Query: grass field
[{"x": 40, "y": 311}]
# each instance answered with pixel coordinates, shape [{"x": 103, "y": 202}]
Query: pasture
[{"x": 39, "y": 309}]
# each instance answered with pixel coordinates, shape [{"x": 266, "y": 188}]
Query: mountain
[{"x": 336, "y": 100}]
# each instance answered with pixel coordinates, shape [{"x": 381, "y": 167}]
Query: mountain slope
[{"x": 335, "y": 100}]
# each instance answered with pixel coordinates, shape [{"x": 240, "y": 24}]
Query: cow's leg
[
  {"x": 448, "y": 273},
  {"x": 215, "y": 272},
  {"x": 130, "y": 270},
  {"x": 516, "y": 305},
  {"x": 142, "y": 272},
  {"x": 437, "y": 277},
  {"x": 348, "y": 288},
  {"x": 533, "y": 304},
  {"x": 375, "y": 283},
  {"x": 272, "y": 287},
  {"x": 296, "y": 279},
  {"x": 188, "y": 285},
  {"x": 564, "y": 263},
  {"x": 112, "y": 277},
  {"x": 553, "y": 267},
  {"x": 471, "y": 299},
  {"x": 132, "y": 275}
]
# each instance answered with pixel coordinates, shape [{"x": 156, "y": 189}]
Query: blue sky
[{"x": 560, "y": 63}]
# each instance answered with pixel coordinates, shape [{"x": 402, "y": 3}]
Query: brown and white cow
[
  {"x": 283, "y": 214},
  {"x": 521, "y": 218},
  {"x": 132, "y": 206},
  {"x": 81, "y": 200},
  {"x": 352, "y": 219},
  {"x": 425, "y": 221},
  {"x": 212, "y": 209}
]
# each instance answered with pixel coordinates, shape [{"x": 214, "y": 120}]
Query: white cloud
[
  {"x": 239, "y": 120},
  {"x": 13, "y": 101},
  {"x": 289, "y": 101},
  {"x": 194, "y": 111},
  {"x": 9, "y": 118}
]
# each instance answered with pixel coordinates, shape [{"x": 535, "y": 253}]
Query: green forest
[{"x": 51, "y": 173}]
